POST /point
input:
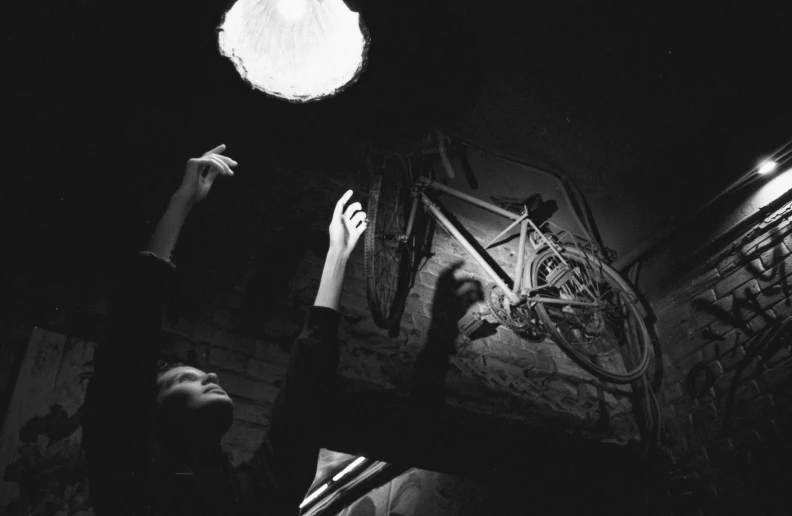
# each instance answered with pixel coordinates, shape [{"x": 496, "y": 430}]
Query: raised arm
[
  {"x": 345, "y": 229},
  {"x": 290, "y": 451},
  {"x": 121, "y": 393}
]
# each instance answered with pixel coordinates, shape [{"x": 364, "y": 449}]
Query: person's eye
[{"x": 186, "y": 378}]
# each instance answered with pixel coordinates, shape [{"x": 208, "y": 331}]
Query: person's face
[{"x": 194, "y": 394}]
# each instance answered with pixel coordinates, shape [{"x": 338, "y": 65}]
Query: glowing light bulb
[
  {"x": 292, "y": 9},
  {"x": 767, "y": 166},
  {"x": 300, "y": 50}
]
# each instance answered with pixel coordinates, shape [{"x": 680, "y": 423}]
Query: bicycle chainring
[{"x": 521, "y": 320}]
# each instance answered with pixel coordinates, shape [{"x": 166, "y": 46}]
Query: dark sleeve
[
  {"x": 290, "y": 450},
  {"x": 120, "y": 396}
]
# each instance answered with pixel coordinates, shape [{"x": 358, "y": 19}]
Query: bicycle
[{"x": 560, "y": 287}]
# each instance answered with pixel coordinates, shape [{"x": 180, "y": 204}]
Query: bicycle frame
[{"x": 516, "y": 295}]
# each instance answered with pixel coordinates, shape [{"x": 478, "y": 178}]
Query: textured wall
[
  {"x": 249, "y": 264},
  {"x": 727, "y": 387}
]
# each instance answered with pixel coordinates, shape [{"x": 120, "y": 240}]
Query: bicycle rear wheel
[
  {"x": 388, "y": 255},
  {"x": 609, "y": 340}
]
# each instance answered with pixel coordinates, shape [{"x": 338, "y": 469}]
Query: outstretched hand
[
  {"x": 347, "y": 225},
  {"x": 200, "y": 174}
]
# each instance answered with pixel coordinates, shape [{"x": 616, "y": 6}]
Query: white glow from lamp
[
  {"x": 767, "y": 166},
  {"x": 297, "y": 50},
  {"x": 292, "y": 9}
]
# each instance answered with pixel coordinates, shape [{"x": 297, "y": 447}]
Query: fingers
[
  {"x": 227, "y": 160},
  {"x": 358, "y": 218},
  {"x": 217, "y": 165},
  {"x": 339, "y": 207},
  {"x": 220, "y": 148},
  {"x": 352, "y": 208},
  {"x": 216, "y": 152},
  {"x": 223, "y": 167}
]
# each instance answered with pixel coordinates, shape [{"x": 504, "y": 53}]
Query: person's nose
[{"x": 211, "y": 378}]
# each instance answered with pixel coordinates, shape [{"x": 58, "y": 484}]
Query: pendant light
[{"x": 298, "y": 50}]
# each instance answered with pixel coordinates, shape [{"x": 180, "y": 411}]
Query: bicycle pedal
[{"x": 471, "y": 322}]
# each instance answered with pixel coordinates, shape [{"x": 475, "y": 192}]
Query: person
[{"x": 152, "y": 437}]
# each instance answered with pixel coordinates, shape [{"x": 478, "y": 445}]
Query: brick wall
[
  {"x": 249, "y": 265},
  {"x": 727, "y": 386}
]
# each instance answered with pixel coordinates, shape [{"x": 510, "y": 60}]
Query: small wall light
[
  {"x": 767, "y": 166},
  {"x": 299, "y": 50}
]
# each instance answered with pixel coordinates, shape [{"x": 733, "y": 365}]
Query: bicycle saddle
[{"x": 515, "y": 204}]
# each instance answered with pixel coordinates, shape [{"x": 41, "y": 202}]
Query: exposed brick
[
  {"x": 227, "y": 359},
  {"x": 354, "y": 303},
  {"x": 776, "y": 376},
  {"x": 712, "y": 429},
  {"x": 745, "y": 437},
  {"x": 755, "y": 408},
  {"x": 717, "y": 348},
  {"x": 252, "y": 412},
  {"x": 740, "y": 277},
  {"x": 777, "y": 274},
  {"x": 746, "y": 392},
  {"x": 223, "y": 319},
  {"x": 769, "y": 238},
  {"x": 766, "y": 428},
  {"x": 696, "y": 341},
  {"x": 703, "y": 317},
  {"x": 563, "y": 386},
  {"x": 679, "y": 370},
  {"x": 782, "y": 309},
  {"x": 679, "y": 425},
  {"x": 720, "y": 448},
  {"x": 774, "y": 256},
  {"x": 724, "y": 383},
  {"x": 671, "y": 333},
  {"x": 668, "y": 412},
  {"x": 705, "y": 413},
  {"x": 672, "y": 392},
  {"x": 779, "y": 356},
  {"x": 733, "y": 358},
  {"x": 251, "y": 390},
  {"x": 705, "y": 277},
  {"x": 244, "y": 435},
  {"x": 675, "y": 313},
  {"x": 566, "y": 367},
  {"x": 545, "y": 364},
  {"x": 686, "y": 404},
  {"x": 266, "y": 371},
  {"x": 207, "y": 333},
  {"x": 420, "y": 322}
]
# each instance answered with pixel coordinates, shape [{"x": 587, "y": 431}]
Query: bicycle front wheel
[
  {"x": 388, "y": 257},
  {"x": 593, "y": 314}
]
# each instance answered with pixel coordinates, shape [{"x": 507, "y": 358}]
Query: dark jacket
[{"x": 128, "y": 476}]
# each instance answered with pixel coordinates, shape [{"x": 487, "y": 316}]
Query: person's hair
[{"x": 164, "y": 365}]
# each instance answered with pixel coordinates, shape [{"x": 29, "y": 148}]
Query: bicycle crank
[{"x": 519, "y": 319}]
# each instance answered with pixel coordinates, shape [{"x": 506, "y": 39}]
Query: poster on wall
[{"x": 42, "y": 467}]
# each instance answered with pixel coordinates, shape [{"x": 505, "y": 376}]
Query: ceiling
[{"x": 650, "y": 108}]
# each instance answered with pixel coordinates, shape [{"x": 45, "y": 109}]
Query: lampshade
[{"x": 298, "y": 50}]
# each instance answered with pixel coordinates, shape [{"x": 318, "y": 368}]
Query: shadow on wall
[
  {"x": 751, "y": 357},
  {"x": 451, "y": 301}
]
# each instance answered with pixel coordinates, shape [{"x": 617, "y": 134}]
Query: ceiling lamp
[{"x": 299, "y": 50}]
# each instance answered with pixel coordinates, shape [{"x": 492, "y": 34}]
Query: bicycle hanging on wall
[{"x": 560, "y": 287}]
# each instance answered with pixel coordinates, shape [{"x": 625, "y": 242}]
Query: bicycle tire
[
  {"x": 592, "y": 336},
  {"x": 388, "y": 256}
]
